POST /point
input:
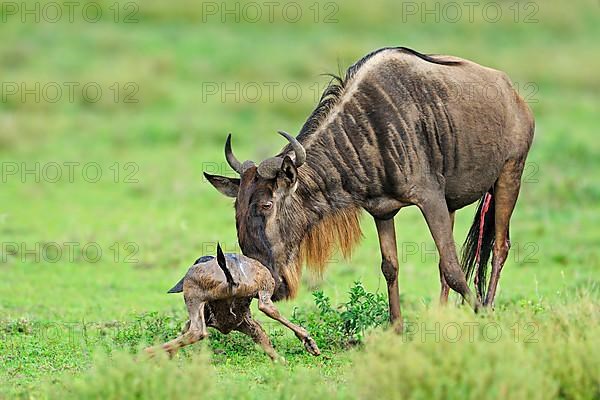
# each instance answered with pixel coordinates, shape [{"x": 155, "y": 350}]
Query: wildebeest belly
[{"x": 468, "y": 184}]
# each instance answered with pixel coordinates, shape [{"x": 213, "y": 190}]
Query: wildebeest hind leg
[
  {"x": 445, "y": 289},
  {"x": 434, "y": 209},
  {"x": 265, "y": 304},
  {"x": 196, "y": 331},
  {"x": 506, "y": 191},
  {"x": 253, "y": 329}
]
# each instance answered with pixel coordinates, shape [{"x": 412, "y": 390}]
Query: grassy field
[{"x": 106, "y": 127}]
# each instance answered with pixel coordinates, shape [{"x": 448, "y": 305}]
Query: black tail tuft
[
  {"x": 223, "y": 264},
  {"x": 178, "y": 288},
  {"x": 469, "y": 250}
]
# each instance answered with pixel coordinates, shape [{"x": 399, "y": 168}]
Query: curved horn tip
[
  {"x": 231, "y": 160},
  {"x": 286, "y": 135},
  {"x": 297, "y": 146}
]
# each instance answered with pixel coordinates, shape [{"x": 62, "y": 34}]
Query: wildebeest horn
[
  {"x": 298, "y": 148},
  {"x": 231, "y": 160},
  {"x": 269, "y": 167}
]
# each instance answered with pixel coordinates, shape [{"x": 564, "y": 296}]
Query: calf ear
[
  {"x": 227, "y": 186},
  {"x": 287, "y": 176}
]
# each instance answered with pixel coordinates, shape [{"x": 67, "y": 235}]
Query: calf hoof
[{"x": 311, "y": 346}]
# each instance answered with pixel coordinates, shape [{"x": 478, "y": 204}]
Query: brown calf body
[{"x": 218, "y": 292}]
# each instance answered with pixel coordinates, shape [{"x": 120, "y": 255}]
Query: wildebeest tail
[
  {"x": 478, "y": 245},
  {"x": 223, "y": 264},
  {"x": 178, "y": 288}
]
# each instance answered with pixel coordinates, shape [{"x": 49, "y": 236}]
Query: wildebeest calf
[{"x": 218, "y": 293}]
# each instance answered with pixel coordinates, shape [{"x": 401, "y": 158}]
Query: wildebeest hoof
[
  {"x": 311, "y": 346},
  {"x": 277, "y": 359}
]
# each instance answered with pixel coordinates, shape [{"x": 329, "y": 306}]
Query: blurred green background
[{"x": 175, "y": 77}]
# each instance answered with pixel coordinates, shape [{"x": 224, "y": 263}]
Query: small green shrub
[{"x": 345, "y": 325}]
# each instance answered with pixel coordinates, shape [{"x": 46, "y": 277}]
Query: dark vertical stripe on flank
[
  {"x": 357, "y": 140},
  {"x": 406, "y": 99},
  {"x": 452, "y": 131},
  {"x": 393, "y": 119},
  {"x": 345, "y": 160},
  {"x": 389, "y": 167},
  {"x": 359, "y": 111},
  {"x": 436, "y": 134},
  {"x": 400, "y": 149},
  {"x": 424, "y": 139},
  {"x": 347, "y": 148},
  {"x": 386, "y": 117},
  {"x": 363, "y": 131}
]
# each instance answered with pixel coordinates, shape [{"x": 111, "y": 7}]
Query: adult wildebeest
[{"x": 401, "y": 128}]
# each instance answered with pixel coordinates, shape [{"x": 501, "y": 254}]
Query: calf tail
[
  {"x": 478, "y": 245},
  {"x": 223, "y": 264}
]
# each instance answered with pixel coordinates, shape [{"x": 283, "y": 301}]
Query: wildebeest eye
[{"x": 267, "y": 205}]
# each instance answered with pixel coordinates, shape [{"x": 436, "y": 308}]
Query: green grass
[{"x": 59, "y": 318}]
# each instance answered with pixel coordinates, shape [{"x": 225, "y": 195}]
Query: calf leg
[
  {"x": 389, "y": 267},
  {"x": 506, "y": 191},
  {"x": 438, "y": 219},
  {"x": 445, "y": 289},
  {"x": 253, "y": 329},
  {"x": 266, "y": 305},
  {"x": 196, "y": 331}
]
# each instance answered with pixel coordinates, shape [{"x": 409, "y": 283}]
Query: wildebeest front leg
[
  {"x": 389, "y": 267},
  {"x": 266, "y": 305},
  {"x": 253, "y": 329},
  {"x": 438, "y": 219}
]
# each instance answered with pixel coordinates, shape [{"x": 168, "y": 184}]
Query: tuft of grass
[
  {"x": 123, "y": 376},
  {"x": 532, "y": 352},
  {"x": 147, "y": 328},
  {"x": 451, "y": 353}
]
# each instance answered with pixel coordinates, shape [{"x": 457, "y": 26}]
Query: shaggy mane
[{"x": 340, "y": 229}]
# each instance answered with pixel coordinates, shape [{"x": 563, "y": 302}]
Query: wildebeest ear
[
  {"x": 228, "y": 186},
  {"x": 221, "y": 256},
  {"x": 289, "y": 173}
]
